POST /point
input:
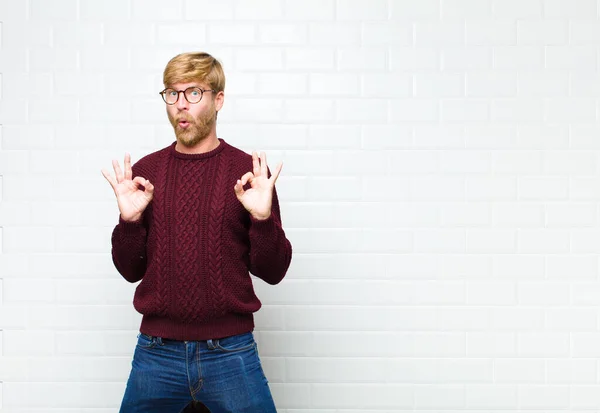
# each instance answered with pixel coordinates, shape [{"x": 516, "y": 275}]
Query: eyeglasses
[{"x": 191, "y": 94}]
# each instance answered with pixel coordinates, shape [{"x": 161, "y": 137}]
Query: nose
[{"x": 182, "y": 102}]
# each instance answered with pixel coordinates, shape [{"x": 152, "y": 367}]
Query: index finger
[
  {"x": 127, "y": 166},
  {"x": 276, "y": 171},
  {"x": 112, "y": 181}
]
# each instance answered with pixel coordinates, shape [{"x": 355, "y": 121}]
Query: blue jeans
[{"x": 225, "y": 374}]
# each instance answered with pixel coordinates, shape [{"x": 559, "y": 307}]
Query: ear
[{"x": 219, "y": 100}]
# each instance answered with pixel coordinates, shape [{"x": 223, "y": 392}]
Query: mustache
[{"x": 185, "y": 118}]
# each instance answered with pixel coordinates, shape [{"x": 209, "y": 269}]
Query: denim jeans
[{"x": 224, "y": 374}]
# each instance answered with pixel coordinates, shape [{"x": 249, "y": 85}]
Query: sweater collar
[{"x": 204, "y": 155}]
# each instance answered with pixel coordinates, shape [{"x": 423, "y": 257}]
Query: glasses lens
[
  {"x": 193, "y": 94},
  {"x": 170, "y": 96}
]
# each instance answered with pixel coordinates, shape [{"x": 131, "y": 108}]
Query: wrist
[
  {"x": 261, "y": 217},
  {"x": 132, "y": 219}
]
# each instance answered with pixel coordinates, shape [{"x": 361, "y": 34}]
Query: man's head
[{"x": 194, "y": 93}]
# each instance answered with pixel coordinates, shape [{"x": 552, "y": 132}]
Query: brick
[
  {"x": 109, "y": 10},
  {"x": 544, "y": 397},
  {"x": 415, "y": 110},
  {"x": 500, "y": 32},
  {"x": 362, "y": 59},
  {"x": 263, "y": 59},
  {"x": 157, "y": 10},
  {"x": 258, "y": 10},
  {"x": 486, "y": 396},
  {"x": 486, "y": 188},
  {"x": 491, "y": 84},
  {"x": 442, "y": 85},
  {"x": 283, "y": 34},
  {"x": 232, "y": 34},
  {"x": 309, "y": 10},
  {"x": 517, "y": 162},
  {"x": 15, "y": 33},
  {"x": 543, "y": 241},
  {"x": 53, "y": 59},
  {"x": 308, "y": 110},
  {"x": 187, "y": 34},
  {"x": 410, "y": 59},
  {"x": 383, "y": 33},
  {"x": 410, "y": 10},
  {"x": 497, "y": 241},
  {"x": 465, "y": 110},
  {"x": 466, "y": 9},
  {"x": 362, "y": 110},
  {"x": 466, "y": 58},
  {"x": 543, "y": 32},
  {"x": 544, "y": 84},
  {"x": 337, "y": 34},
  {"x": 571, "y": 57},
  {"x": 569, "y": 320},
  {"x": 439, "y": 34},
  {"x": 525, "y": 58},
  {"x": 517, "y": 9},
  {"x": 566, "y": 9},
  {"x": 511, "y": 215},
  {"x": 58, "y": 10}
]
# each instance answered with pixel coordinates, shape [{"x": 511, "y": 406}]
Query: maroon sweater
[{"x": 195, "y": 245}]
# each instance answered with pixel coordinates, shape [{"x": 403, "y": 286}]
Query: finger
[
  {"x": 127, "y": 166},
  {"x": 276, "y": 172},
  {"x": 264, "y": 170},
  {"x": 109, "y": 178},
  {"x": 149, "y": 188},
  {"x": 255, "y": 164},
  {"x": 239, "y": 188},
  {"x": 247, "y": 177},
  {"x": 140, "y": 181},
  {"x": 143, "y": 182},
  {"x": 118, "y": 172}
]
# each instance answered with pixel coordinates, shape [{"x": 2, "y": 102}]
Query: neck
[{"x": 205, "y": 145}]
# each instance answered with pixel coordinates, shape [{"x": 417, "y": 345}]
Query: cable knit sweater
[{"x": 195, "y": 245}]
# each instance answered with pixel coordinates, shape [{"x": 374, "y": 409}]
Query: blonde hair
[{"x": 195, "y": 66}]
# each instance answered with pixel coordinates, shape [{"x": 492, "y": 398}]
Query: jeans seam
[
  {"x": 187, "y": 369},
  {"x": 200, "y": 381},
  {"x": 249, "y": 346}
]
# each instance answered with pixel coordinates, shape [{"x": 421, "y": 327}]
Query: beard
[{"x": 198, "y": 128}]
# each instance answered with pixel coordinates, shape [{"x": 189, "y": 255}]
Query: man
[{"x": 195, "y": 219}]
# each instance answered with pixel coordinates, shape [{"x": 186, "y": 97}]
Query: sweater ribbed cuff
[
  {"x": 130, "y": 228},
  {"x": 263, "y": 225}
]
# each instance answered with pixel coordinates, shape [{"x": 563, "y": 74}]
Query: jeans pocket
[
  {"x": 236, "y": 343},
  {"x": 145, "y": 341}
]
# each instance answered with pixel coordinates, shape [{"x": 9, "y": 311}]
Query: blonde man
[{"x": 196, "y": 218}]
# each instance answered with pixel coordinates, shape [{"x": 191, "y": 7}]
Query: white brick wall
[{"x": 441, "y": 189}]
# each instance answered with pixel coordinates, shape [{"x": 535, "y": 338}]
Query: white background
[{"x": 440, "y": 188}]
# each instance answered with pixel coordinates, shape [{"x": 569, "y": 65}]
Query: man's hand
[
  {"x": 258, "y": 198},
  {"x": 132, "y": 199}
]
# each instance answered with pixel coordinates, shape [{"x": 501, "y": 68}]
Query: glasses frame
[{"x": 163, "y": 94}]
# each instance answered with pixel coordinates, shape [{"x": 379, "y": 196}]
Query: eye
[
  {"x": 195, "y": 92},
  {"x": 171, "y": 92}
]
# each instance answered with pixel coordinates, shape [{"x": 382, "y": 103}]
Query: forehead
[{"x": 185, "y": 85}]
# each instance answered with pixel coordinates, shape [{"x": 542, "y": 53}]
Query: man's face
[{"x": 193, "y": 122}]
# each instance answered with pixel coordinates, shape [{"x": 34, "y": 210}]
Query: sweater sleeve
[
  {"x": 270, "y": 250},
  {"x": 129, "y": 245},
  {"x": 129, "y": 249}
]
